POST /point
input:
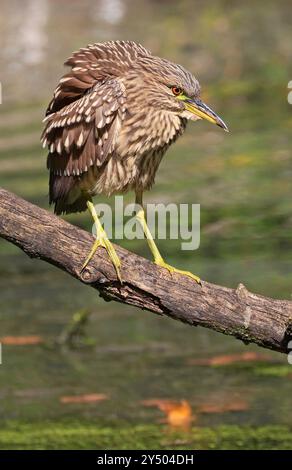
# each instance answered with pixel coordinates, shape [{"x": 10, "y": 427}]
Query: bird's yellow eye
[{"x": 176, "y": 90}]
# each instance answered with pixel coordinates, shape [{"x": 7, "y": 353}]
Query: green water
[{"x": 242, "y": 56}]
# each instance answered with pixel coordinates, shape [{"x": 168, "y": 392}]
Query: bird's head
[{"x": 170, "y": 87}]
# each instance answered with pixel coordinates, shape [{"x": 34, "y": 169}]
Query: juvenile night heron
[{"x": 111, "y": 120}]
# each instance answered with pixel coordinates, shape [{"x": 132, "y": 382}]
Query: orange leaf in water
[
  {"x": 228, "y": 359},
  {"x": 178, "y": 414},
  {"x": 21, "y": 340},
  {"x": 239, "y": 405},
  {"x": 88, "y": 398}
]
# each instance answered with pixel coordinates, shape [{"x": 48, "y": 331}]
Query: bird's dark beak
[{"x": 200, "y": 109}]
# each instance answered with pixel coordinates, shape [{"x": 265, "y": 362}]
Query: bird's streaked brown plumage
[
  {"x": 111, "y": 119},
  {"x": 102, "y": 132}
]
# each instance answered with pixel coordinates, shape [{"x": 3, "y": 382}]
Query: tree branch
[{"x": 247, "y": 316}]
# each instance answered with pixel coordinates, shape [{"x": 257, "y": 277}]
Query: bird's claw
[
  {"x": 172, "y": 269},
  {"x": 104, "y": 242}
]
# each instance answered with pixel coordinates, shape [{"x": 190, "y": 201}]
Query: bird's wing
[
  {"x": 92, "y": 64},
  {"x": 83, "y": 133}
]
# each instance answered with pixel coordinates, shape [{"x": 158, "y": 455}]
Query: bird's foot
[
  {"x": 105, "y": 243},
  {"x": 171, "y": 269}
]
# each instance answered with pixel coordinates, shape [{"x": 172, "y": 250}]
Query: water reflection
[
  {"x": 111, "y": 11},
  {"x": 32, "y": 32},
  {"x": 30, "y": 21}
]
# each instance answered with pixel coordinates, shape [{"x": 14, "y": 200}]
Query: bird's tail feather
[
  {"x": 64, "y": 195},
  {"x": 80, "y": 205}
]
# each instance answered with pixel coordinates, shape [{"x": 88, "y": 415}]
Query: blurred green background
[{"x": 241, "y": 53}]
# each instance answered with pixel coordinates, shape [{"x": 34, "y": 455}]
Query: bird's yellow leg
[
  {"x": 153, "y": 248},
  {"x": 102, "y": 240}
]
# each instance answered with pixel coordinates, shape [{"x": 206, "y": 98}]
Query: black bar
[{"x": 139, "y": 458}]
